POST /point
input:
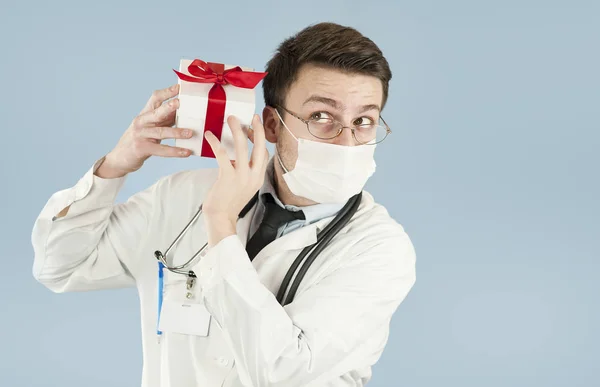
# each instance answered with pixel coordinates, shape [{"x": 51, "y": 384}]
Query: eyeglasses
[{"x": 327, "y": 128}]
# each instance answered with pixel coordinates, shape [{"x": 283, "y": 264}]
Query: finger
[
  {"x": 258, "y": 151},
  {"x": 169, "y": 120},
  {"x": 158, "y": 115},
  {"x": 162, "y": 150},
  {"x": 163, "y": 132},
  {"x": 219, "y": 151},
  {"x": 160, "y": 96},
  {"x": 240, "y": 142},
  {"x": 266, "y": 160}
]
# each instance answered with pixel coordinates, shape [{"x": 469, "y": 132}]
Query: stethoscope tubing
[
  {"x": 162, "y": 257},
  {"x": 323, "y": 238}
]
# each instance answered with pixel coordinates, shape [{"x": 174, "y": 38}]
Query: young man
[{"x": 224, "y": 324}]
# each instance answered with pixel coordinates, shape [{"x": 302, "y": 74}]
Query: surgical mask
[{"x": 328, "y": 173}]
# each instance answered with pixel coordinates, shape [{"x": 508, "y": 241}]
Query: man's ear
[{"x": 271, "y": 124}]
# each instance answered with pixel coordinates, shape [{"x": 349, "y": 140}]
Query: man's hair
[{"x": 328, "y": 45}]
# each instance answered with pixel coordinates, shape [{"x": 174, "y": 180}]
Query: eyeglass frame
[{"x": 388, "y": 131}]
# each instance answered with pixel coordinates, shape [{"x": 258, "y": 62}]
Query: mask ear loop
[
  {"x": 283, "y": 122},
  {"x": 280, "y": 162},
  {"x": 276, "y": 150}
]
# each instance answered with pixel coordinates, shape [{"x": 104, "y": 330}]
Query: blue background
[{"x": 492, "y": 168}]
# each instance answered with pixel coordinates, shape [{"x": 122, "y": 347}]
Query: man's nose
[{"x": 345, "y": 138}]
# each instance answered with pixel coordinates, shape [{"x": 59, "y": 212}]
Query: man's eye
[
  {"x": 364, "y": 121},
  {"x": 320, "y": 116}
]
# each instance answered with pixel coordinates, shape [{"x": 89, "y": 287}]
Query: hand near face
[{"x": 237, "y": 181}]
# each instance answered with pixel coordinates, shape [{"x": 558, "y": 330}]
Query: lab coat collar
[
  {"x": 297, "y": 239},
  {"x": 307, "y": 235}
]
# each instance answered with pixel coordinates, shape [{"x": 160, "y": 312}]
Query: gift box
[{"x": 208, "y": 94}]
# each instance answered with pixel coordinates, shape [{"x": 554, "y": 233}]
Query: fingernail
[
  {"x": 174, "y": 86},
  {"x": 186, "y": 132}
]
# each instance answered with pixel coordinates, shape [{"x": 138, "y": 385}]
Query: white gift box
[{"x": 193, "y": 102}]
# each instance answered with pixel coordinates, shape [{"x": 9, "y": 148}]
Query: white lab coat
[{"x": 330, "y": 335}]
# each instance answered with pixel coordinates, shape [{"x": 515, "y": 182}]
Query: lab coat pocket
[{"x": 182, "y": 309}]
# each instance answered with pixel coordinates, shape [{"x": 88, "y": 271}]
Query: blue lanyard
[{"x": 160, "y": 294}]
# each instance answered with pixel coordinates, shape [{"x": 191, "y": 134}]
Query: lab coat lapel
[{"x": 297, "y": 239}]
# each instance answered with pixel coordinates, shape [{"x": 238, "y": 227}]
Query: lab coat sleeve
[
  {"x": 93, "y": 245},
  {"x": 322, "y": 333}
]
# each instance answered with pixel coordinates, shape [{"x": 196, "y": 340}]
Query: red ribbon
[{"x": 202, "y": 72}]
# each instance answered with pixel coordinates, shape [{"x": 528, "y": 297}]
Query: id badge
[
  {"x": 181, "y": 315},
  {"x": 184, "y": 317}
]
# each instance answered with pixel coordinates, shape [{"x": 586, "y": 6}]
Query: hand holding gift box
[{"x": 208, "y": 94}]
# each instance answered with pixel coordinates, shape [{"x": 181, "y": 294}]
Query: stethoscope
[{"x": 323, "y": 239}]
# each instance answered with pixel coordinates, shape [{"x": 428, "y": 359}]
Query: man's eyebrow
[
  {"x": 370, "y": 107},
  {"x": 336, "y": 105},
  {"x": 328, "y": 101}
]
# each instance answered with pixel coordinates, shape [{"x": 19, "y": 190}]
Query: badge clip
[{"x": 189, "y": 284}]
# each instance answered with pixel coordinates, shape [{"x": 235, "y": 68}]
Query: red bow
[{"x": 202, "y": 72}]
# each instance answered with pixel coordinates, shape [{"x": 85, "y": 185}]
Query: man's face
[{"x": 320, "y": 92}]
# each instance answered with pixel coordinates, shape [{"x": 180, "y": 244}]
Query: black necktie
[{"x": 275, "y": 216}]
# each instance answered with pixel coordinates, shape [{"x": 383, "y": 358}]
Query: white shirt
[{"x": 331, "y": 334}]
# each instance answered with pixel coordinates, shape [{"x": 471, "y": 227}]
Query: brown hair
[{"x": 324, "y": 44}]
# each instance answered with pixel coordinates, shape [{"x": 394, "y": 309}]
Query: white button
[{"x": 222, "y": 361}]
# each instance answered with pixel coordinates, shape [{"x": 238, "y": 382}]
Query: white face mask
[{"x": 328, "y": 173}]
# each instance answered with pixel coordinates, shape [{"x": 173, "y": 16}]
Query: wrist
[
  {"x": 219, "y": 228},
  {"x": 106, "y": 171}
]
